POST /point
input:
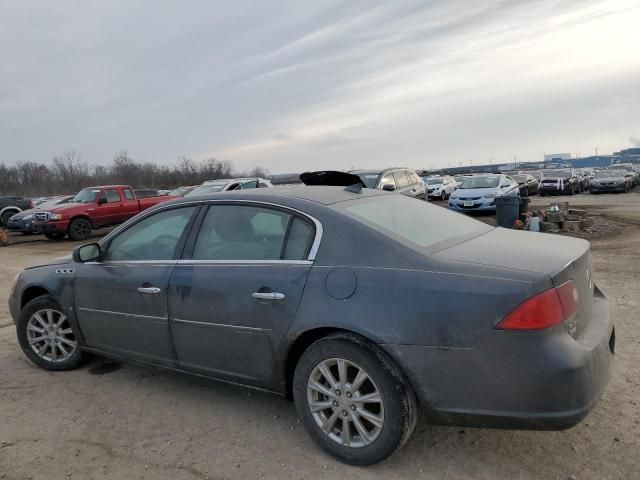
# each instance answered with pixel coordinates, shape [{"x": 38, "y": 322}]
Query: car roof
[
  {"x": 325, "y": 195},
  {"x": 230, "y": 180},
  {"x": 376, "y": 171},
  {"x": 106, "y": 186}
]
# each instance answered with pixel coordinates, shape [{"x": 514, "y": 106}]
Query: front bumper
[
  {"x": 608, "y": 188},
  {"x": 59, "y": 227},
  {"x": 26, "y": 226},
  {"x": 544, "y": 380},
  {"x": 14, "y": 307},
  {"x": 479, "y": 205}
]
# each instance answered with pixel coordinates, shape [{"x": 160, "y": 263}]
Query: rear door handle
[
  {"x": 268, "y": 295},
  {"x": 152, "y": 290}
]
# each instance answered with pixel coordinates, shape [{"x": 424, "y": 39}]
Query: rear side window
[
  {"x": 415, "y": 224},
  {"x": 128, "y": 194},
  {"x": 240, "y": 232},
  {"x": 112, "y": 196}
]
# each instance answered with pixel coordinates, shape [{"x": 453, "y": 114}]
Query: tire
[
  {"x": 35, "y": 316},
  {"x": 443, "y": 195},
  {"x": 54, "y": 236},
  {"x": 79, "y": 229},
  {"x": 397, "y": 408},
  {"x": 4, "y": 218}
]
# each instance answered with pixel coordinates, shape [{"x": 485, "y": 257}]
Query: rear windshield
[
  {"x": 416, "y": 224},
  {"x": 480, "y": 182},
  {"x": 434, "y": 181},
  {"x": 370, "y": 180},
  {"x": 519, "y": 178}
]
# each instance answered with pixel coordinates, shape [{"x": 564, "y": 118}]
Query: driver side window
[{"x": 153, "y": 238}]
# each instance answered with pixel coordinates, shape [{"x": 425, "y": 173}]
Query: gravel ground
[{"x": 107, "y": 420}]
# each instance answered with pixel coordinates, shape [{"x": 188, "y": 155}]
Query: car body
[
  {"x": 264, "y": 287},
  {"x": 147, "y": 193},
  {"x": 560, "y": 182},
  {"x": 477, "y": 193},
  {"x": 458, "y": 179},
  {"x": 398, "y": 180},
  {"x": 92, "y": 207},
  {"x": 11, "y": 205},
  {"x": 226, "y": 184},
  {"x": 528, "y": 184},
  {"x": 610, "y": 181},
  {"x": 440, "y": 187},
  {"x": 24, "y": 221}
]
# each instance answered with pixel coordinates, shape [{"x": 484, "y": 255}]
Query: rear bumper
[{"x": 543, "y": 380}]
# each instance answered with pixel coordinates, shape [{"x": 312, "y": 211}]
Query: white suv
[{"x": 440, "y": 188}]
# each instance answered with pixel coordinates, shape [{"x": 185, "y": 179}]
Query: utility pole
[{"x": 596, "y": 152}]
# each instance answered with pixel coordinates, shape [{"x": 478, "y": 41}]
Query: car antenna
[{"x": 355, "y": 188}]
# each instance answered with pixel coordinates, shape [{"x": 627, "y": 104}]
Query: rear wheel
[
  {"x": 79, "y": 229},
  {"x": 47, "y": 336},
  {"x": 352, "y": 401}
]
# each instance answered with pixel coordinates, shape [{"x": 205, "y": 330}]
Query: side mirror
[
  {"x": 87, "y": 253},
  {"x": 102, "y": 201},
  {"x": 388, "y": 187}
]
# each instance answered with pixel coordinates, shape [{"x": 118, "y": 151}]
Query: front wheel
[
  {"x": 352, "y": 401},
  {"x": 47, "y": 336},
  {"x": 443, "y": 196},
  {"x": 79, "y": 229}
]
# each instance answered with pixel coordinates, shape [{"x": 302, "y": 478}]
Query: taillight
[
  {"x": 31, "y": 204},
  {"x": 543, "y": 310}
]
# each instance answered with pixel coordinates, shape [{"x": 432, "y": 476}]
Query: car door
[
  {"x": 108, "y": 210},
  {"x": 121, "y": 300},
  {"x": 236, "y": 291},
  {"x": 130, "y": 205},
  {"x": 403, "y": 185}
]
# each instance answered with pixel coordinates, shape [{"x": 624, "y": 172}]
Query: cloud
[{"x": 318, "y": 85}]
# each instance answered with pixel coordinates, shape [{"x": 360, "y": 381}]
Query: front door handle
[
  {"x": 152, "y": 290},
  {"x": 268, "y": 295}
]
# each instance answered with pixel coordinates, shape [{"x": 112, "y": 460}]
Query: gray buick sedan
[{"x": 367, "y": 308}]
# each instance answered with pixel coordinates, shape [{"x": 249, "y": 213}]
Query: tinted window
[
  {"x": 235, "y": 232},
  {"x": 370, "y": 180},
  {"x": 401, "y": 179},
  {"x": 388, "y": 180},
  {"x": 248, "y": 185},
  {"x": 128, "y": 194},
  {"x": 263, "y": 185},
  {"x": 415, "y": 224},
  {"x": 154, "y": 238},
  {"x": 299, "y": 240},
  {"x": 557, "y": 174},
  {"x": 88, "y": 195},
  {"x": 206, "y": 189},
  {"x": 112, "y": 196}
]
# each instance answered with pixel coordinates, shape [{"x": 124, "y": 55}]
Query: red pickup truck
[{"x": 93, "y": 207}]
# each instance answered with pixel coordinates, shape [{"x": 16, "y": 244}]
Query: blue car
[
  {"x": 477, "y": 193},
  {"x": 23, "y": 221}
]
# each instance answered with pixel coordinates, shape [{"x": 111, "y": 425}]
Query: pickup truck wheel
[
  {"x": 79, "y": 229},
  {"x": 47, "y": 336},
  {"x": 352, "y": 401}
]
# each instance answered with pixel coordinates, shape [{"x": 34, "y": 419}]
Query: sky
[{"x": 301, "y": 85}]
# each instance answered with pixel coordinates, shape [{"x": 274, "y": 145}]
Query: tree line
[{"x": 69, "y": 173}]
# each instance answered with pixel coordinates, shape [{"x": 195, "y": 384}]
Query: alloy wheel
[
  {"x": 345, "y": 402},
  {"x": 50, "y": 335}
]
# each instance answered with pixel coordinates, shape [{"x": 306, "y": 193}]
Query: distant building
[{"x": 555, "y": 157}]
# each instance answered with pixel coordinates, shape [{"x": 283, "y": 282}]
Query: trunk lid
[{"x": 561, "y": 258}]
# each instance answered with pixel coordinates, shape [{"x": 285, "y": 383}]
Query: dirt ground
[{"x": 107, "y": 420}]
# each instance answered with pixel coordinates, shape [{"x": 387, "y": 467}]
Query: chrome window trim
[
  {"x": 313, "y": 251},
  {"x": 196, "y": 263}
]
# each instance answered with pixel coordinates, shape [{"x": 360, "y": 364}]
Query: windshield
[
  {"x": 458, "y": 179},
  {"x": 480, "y": 182},
  {"x": 434, "y": 181},
  {"x": 179, "y": 192},
  {"x": 370, "y": 180},
  {"x": 557, "y": 174},
  {"x": 417, "y": 225},
  {"x": 519, "y": 178},
  {"x": 88, "y": 195},
  {"x": 205, "y": 189}
]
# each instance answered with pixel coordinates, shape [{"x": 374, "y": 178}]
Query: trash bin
[
  {"x": 524, "y": 207},
  {"x": 507, "y": 211}
]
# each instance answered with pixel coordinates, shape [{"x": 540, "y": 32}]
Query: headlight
[
  {"x": 489, "y": 195},
  {"x": 55, "y": 216},
  {"x": 27, "y": 217}
]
